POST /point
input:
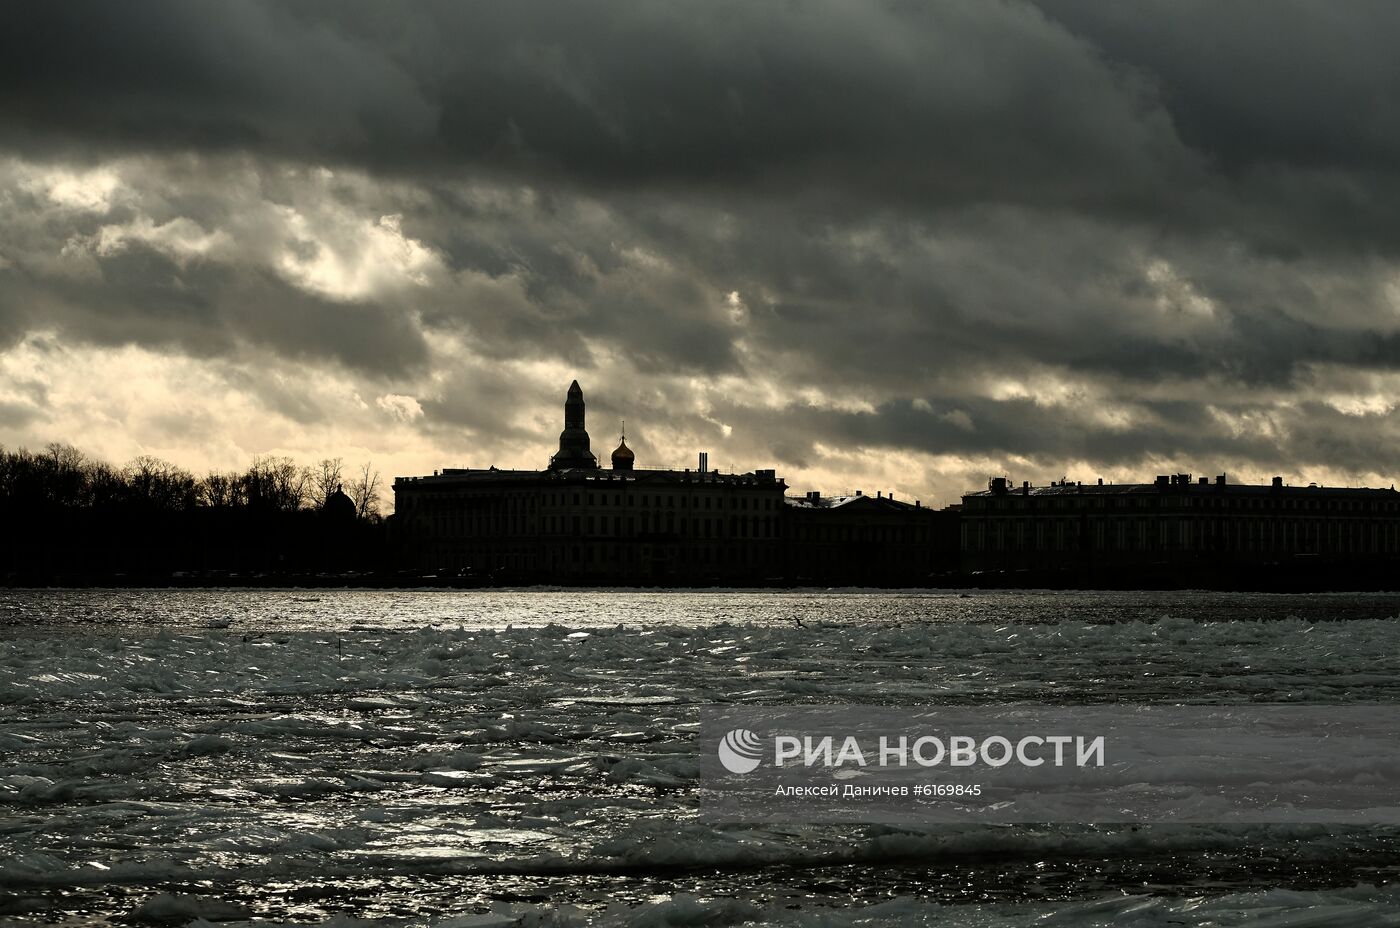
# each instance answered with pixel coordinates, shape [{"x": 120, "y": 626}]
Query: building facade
[
  {"x": 1176, "y": 520},
  {"x": 867, "y": 540},
  {"x": 578, "y": 522}
]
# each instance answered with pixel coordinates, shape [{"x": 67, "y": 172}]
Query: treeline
[
  {"x": 69, "y": 517},
  {"x": 62, "y": 475}
]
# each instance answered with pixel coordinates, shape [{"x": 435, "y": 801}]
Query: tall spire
[{"x": 573, "y": 441}]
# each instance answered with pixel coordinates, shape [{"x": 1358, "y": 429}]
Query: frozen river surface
[{"x": 490, "y": 758}]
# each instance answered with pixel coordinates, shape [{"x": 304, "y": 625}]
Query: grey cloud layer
[
  {"x": 1162, "y": 110},
  {"x": 1058, "y": 232}
]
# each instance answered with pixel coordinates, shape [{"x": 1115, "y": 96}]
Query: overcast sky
[{"x": 886, "y": 246}]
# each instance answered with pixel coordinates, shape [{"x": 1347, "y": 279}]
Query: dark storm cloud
[
  {"x": 574, "y": 272},
  {"x": 1091, "y": 107},
  {"x": 1185, "y": 434},
  {"x": 1005, "y": 428},
  {"x": 91, "y": 76},
  {"x": 1293, "y": 105},
  {"x": 1068, "y": 231},
  {"x": 925, "y": 101},
  {"x": 1250, "y": 84},
  {"x": 202, "y": 309}
]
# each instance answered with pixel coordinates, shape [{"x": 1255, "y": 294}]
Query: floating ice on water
[{"x": 552, "y": 760}]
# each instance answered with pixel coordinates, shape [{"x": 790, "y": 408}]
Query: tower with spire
[
  {"x": 582, "y": 521},
  {"x": 574, "y": 450}
]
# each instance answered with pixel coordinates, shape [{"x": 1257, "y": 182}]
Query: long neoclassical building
[
  {"x": 1178, "y": 521},
  {"x": 578, "y": 520}
]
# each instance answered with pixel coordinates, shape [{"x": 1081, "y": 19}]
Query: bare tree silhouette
[
  {"x": 326, "y": 478},
  {"x": 364, "y": 491}
]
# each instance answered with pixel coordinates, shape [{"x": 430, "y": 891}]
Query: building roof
[
  {"x": 454, "y": 477},
  {"x": 1194, "y": 488},
  {"x": 838, "y": 502}
]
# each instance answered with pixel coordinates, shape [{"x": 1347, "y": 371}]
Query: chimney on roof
[
  {"x": 879, "y": 494},
  {"x": 1220, "y": 480},
  {"x": 1162, "y": 480},
  {"x": 998, "y": 485},
  {"x": 1204, "y": 481},
  {"x": 1100, "y": 481},
  {"x": 919, "y": 505},
  {"x": 1278, "y": 483},
  {"x": 859, "y": 492}
]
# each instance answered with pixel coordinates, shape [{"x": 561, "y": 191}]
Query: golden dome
[{"x": 623, "y": 458}]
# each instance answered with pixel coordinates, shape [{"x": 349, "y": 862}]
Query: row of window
[
  {"x": 667, "y": 501},
  {"x": 656, "y": 523},
  {"x": 488, "y": 502},
  {"x": 525, "y": 503},
  {"x": 1143, "y": 534},
  {"x": 459, "y": 524}
]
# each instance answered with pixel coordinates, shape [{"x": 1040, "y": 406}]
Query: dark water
[{"x": 417, "y": 757}]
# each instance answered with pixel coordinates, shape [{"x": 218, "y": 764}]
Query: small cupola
[{"x": 623, "y": 458}]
